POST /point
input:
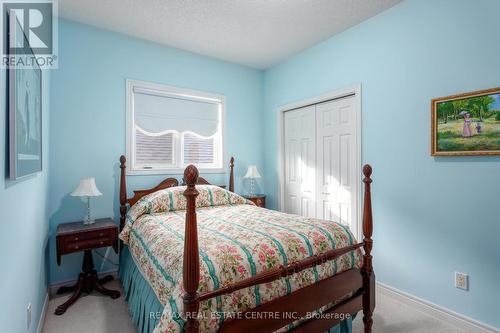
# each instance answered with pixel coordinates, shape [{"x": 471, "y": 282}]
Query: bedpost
[
  {"x": 231, "y": 174},
  {"x": 367, "y": 270},
  {"x": 191, "y": 264},
  {"x": 123, "y": 192}
]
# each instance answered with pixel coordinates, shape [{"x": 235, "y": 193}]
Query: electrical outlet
[
  {"x": 28, "y": 316},
  {"x": 461, "y": 281}
]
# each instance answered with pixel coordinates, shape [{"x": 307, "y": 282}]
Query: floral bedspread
[{"x": 237, "y": 240}]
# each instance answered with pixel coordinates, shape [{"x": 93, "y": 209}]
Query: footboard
[{"x": 359, "y": 284}]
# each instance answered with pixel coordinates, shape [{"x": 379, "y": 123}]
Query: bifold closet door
[
  {"x": 300, "y": 161},
  {"x": 336, "y": 161}
]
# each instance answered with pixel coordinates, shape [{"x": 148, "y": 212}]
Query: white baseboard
[
  {"x": 436, "y": 311},
  {"x": 53, "y": 287},
  {"x": 41, "y": 321}
]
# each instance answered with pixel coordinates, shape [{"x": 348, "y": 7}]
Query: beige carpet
[{"x": 99, "y": 314}]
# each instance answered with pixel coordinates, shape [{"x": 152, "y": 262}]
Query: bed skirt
[{"x": 143, "y": 305}]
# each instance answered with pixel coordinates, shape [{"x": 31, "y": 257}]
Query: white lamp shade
[
  {"x": 86, "y": 188},
  {"x": 252, "y": 172}
]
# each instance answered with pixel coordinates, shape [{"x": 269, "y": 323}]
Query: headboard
[{"x": 166, "y": 183}]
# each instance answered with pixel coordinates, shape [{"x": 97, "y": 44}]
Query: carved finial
[
  {"x": 122, "y": 160},
  {"x": 231, "y": 162},
  {"x": 367, "y": 171},
  {"x": 191, "y": 175}
]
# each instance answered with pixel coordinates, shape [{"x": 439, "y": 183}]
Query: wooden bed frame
[{"x": 275, "y": 314}]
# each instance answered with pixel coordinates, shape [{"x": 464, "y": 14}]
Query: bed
[{"x": 199, "y": 258}]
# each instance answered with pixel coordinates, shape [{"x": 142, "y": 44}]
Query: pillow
[{"x": 173, "y": 199}]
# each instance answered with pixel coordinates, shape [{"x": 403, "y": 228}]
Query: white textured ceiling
[{"x": 256, "y": 33}]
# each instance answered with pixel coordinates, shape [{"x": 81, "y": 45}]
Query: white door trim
[{"x": 331, "y": 95}]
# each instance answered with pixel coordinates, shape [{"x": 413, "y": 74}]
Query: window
[{"x": 169, "y": 128}]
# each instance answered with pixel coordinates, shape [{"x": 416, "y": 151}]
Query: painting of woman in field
[
  {"x": 466, "y": 124},
  {"x": 467, "y": 133}
]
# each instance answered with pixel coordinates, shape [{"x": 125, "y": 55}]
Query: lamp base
[
  {"x": 251, "y": 193},
  {"x": 88, "y": 222}
]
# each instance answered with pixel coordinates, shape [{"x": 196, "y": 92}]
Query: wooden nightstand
[
  {"x": 259, "y": 199},
  {"x": 76, "y": 237}
]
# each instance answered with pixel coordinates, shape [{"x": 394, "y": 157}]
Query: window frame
[{"x": 166, "y": 90}]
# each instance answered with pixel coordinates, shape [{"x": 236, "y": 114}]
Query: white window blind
[
  {"x": 198, "y": 150},
  {"x": 170, "y": 128},
  {"x": 156, "y": 150}
]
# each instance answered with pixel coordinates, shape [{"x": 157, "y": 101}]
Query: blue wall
[
  {"x": 88, "y": 118},
  {"x": 433, "y": 216},
  {"x": 25, "y": 226}
]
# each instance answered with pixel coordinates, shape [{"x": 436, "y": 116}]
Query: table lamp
[
  {"x": 87, "y": 189},
  {"x": 252, "y": 174}
]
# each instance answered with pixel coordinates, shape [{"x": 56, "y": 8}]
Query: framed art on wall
[
  {"x": 466, "y": 124},
  {"x": 25, "y": 112}
]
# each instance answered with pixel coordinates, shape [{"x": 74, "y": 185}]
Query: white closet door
[
  {"x": 300, "y": 161},
  {"x": 336, "y": 163}
]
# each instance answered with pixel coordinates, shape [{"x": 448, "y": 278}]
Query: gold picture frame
[{"x": 466, "y": 124}]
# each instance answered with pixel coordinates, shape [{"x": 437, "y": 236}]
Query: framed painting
[
  {"x": 466, "y": 124},
  {"x": 25, "y": 113}
]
